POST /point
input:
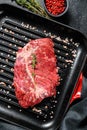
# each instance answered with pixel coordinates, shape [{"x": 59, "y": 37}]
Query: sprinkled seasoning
[
  {"x": 9, "y": 99},
  {"x": 11, "y": 32},
  {"x": 12, "y": 69},
  {"x": 46, "y": 107},
  {"x": 2, "y": 83},
  {"x": 51, "y": 117},
  {"x": 20, "y": 110},
  {"x": 6, "y": 30},
  {"x": 2, "y": 71},
  {"x": 6, "y": 60},
  {"x": 37, "y": 110},
  {"x": 58, "y": 92},
  {"x": 7, "y": 92},
  {"x": 10, "y": 86},
  {"x": 9, "y": 106},
  {"x": 58, "y": 38}
]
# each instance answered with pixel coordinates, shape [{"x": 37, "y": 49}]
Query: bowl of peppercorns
[{"x": 56, "y": 8}]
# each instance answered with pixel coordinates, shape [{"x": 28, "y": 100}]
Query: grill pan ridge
[{"x": 70, "y": 49}]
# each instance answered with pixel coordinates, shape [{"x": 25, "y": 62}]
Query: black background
[{"x": 76, "y": 117}]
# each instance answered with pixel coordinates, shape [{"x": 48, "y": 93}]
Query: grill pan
[{"x": 17, "y": 27}]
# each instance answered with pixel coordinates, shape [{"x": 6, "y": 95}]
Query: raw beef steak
[{"x": 35, "y": 72}]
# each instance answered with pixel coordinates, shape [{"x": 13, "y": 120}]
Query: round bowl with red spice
[{"x": 56, "y": 8}]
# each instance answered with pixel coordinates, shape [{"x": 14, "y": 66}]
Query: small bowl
[{"x": 58, "y": 15}]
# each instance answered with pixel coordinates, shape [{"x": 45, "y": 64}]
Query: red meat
[{"x": 35, "y": 72}]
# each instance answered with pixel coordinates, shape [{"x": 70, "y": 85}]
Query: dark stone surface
[
  {"x": 75, "y": 17},
  {"x": 78, "y": 15}
]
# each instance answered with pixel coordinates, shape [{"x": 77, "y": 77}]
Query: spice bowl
[{"x": 56, "y": 8}]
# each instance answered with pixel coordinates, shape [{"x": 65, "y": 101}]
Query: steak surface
[{"x": 35, "y": 72}]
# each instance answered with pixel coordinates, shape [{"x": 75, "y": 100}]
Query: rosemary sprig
[
  {"x": 34, "y": 61},
  {"x": 33, "y": 6},
  {"x": 38, "y": 7},
  {"x": 33, "y": 74}
]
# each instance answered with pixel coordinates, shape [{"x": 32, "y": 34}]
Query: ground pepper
[{"x": 55, "y": 7}]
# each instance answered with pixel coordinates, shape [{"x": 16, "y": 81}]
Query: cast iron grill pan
[{"x": 70, "y": 49}]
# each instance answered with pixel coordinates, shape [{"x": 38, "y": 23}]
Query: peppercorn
[{"x": 55, "y": 7}]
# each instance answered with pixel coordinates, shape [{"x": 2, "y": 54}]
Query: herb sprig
[
  {"x": 33, "y": 6},
  {"x": 34, "y": 61}
]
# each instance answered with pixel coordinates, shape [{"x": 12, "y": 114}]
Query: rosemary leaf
[
  {"x": 37, "y": 6},
  {"x": 33, "y": 6},
  {"x": 33, "y": 74},
  {"x": 21, "y": 2},
  {"x": 34, "y": 61}
]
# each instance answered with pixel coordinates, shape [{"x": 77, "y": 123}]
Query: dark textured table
[{"x": 75, "y": 17}]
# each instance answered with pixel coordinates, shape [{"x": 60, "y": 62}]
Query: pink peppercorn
[{"x": 55, "y": 7}]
